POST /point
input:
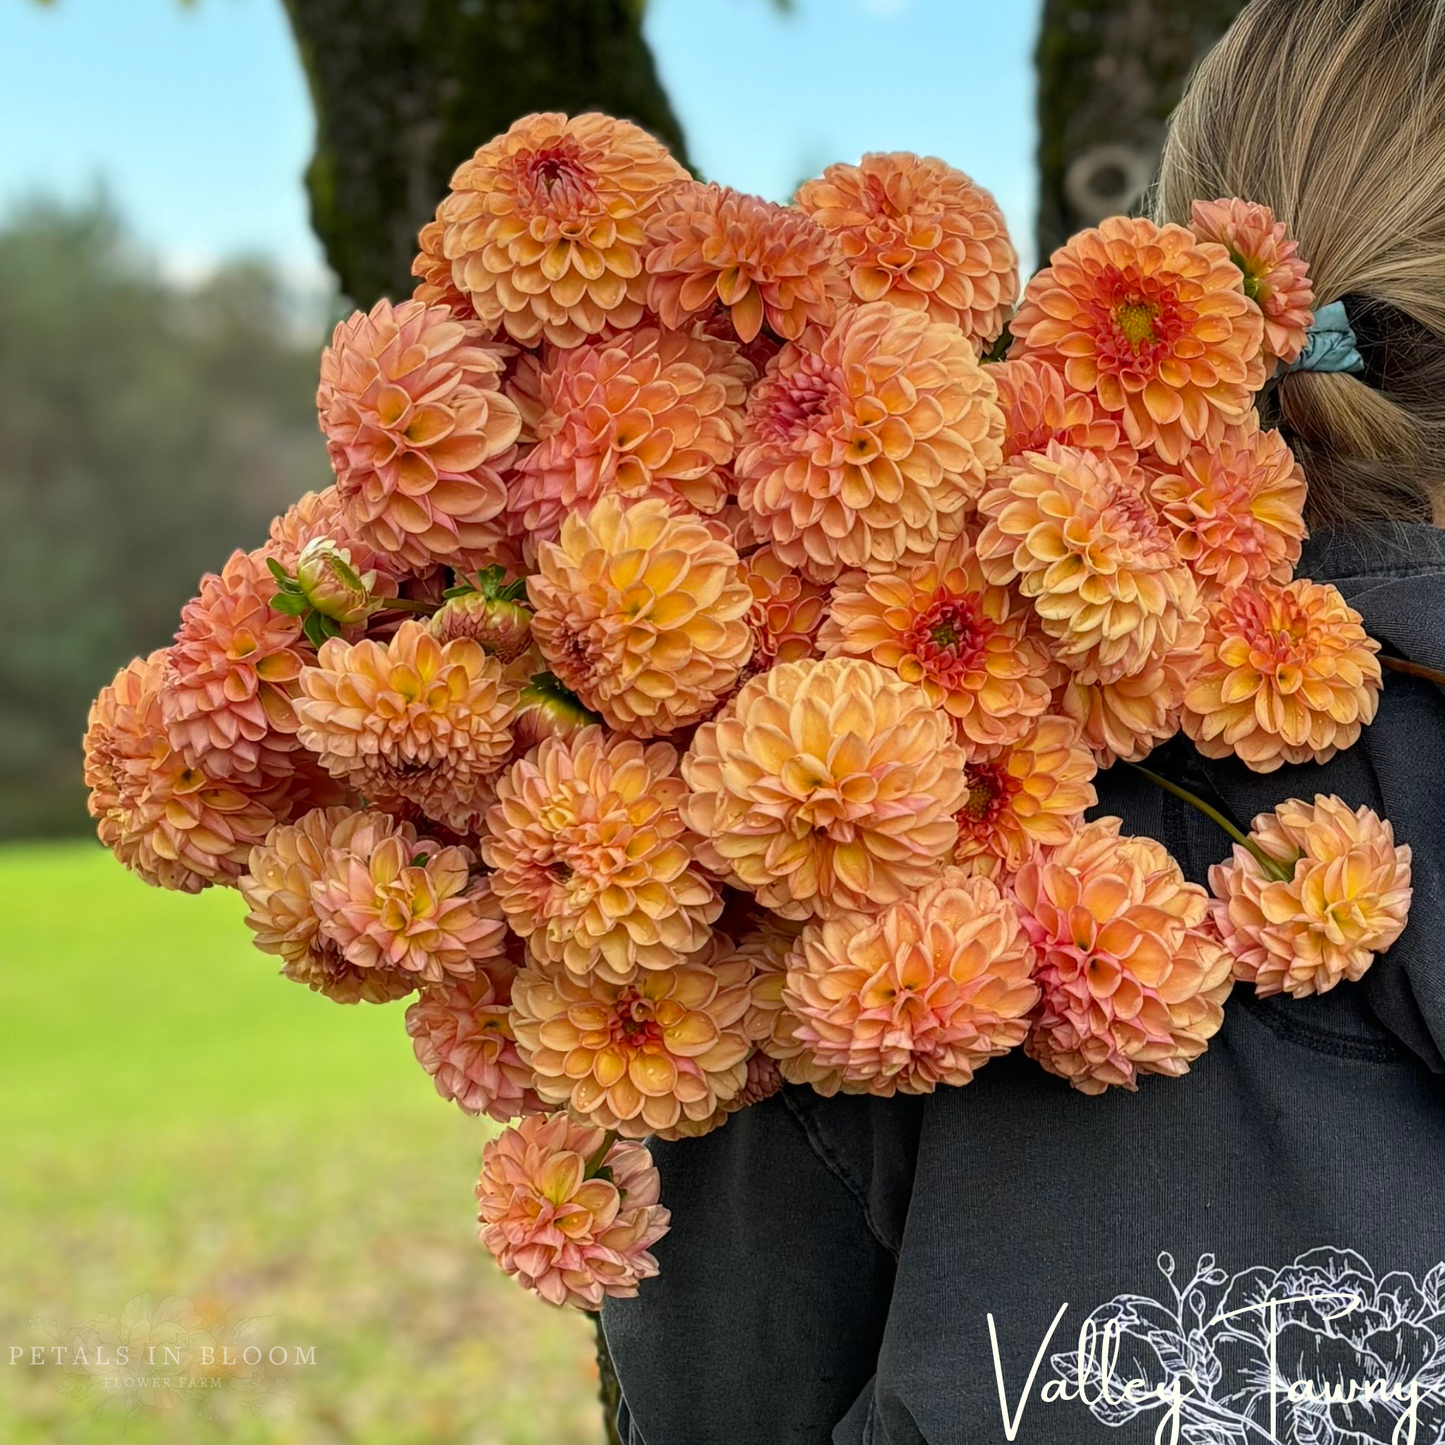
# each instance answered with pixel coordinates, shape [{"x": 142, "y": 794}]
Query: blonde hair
[{"x": 1332, "y": 113}]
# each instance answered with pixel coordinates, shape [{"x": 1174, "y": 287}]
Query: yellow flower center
[{"x": 1135, "y": 320}]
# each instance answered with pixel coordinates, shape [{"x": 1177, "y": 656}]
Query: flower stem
[
  {"x": 596, "y": 1161},
  {"x": 1272, "y": 866},
  {"x": 1412, "y": 669},
  {"x": 407, "y": 604}
]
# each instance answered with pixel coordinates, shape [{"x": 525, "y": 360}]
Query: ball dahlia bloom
[
  {"x": 232, "y": 674},
  {"x": 641, "y": 613},
  {"x": 410, "y": 718},
  {"x": 569, "y": 1217},
  {"x": 1288, "y": 675},
  {"x": 1088, "y": 549},
  {"x": 647, "y": 413},
  {"x": 825, "y": 787},
  {"x": 1276, "y": 276},
  {"x": 592, "y": 863},
  {"x": 941, "y": 624},
  {"x": 418, "y": 432},
  {"x": 920, "y": 994},
  {"x": 1025, "y": 795},
  {"x": 1132, "y": 981},
  {"x": 277, "y": 886},
  {"x": 1154, "y": 323},
  {"x": 1039, "y": 408},
  {"x": 171, "y": 823},
  {"x": 462, "y": 1035},
  {"x": 1347, "y": 897},
  {"x": 1238, "y": 508},
  {"x": 767, "y": 264},
  {"x": 917, "y": 233},
  {"x": 868, "y": 450},
  {"x": 638, "y": 1057},
  {"x": 787, "y": 611},
  {"x": 544, "y": 226}
]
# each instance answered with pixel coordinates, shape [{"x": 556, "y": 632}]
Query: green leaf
[
  {"x": 278, "y": 571},
  {"x": 289, "y": 603}
]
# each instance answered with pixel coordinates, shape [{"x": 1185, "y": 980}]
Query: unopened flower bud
[{"x": 332, "y": 586}]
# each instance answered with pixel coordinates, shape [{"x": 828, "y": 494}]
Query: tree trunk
[
  {"x": 405, "y": 90},
  {"x": 1109, "y": 74}
]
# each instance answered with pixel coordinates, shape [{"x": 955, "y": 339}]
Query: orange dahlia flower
[
  {"x": 592, "y": 862},
  {"x": 1288, "y": 675},
  {"x": 1091, "y": 553},
  {"x": 1276, "y": 276},
  {"x": 765, "y": 263},
  {"x": 435, "y": 286},
  {"x": 914, "y": 231},
  {"x": 1024, "y": 795},
  {"x": 544, "y": 225},
  {"x": 1039, "y": 408},
  {"x": 418, "y": 431},
  {"x": 1155, "y": 323},
  {"x": 277, "y": 886},
  {"x": 967, "y": 643},
  {"x": 569, "y": 1218},
  {"x": 1132, "y": 981},
  {"x": 410, "y": 718},
  {"x": 1238, "y": 507},
  {"x": 786, "y": 614},
  {"x": 1347, "y": 898},
  {"x": 636, "y": 1057},
  {"x": 824, "y": 787},
  {"x": 649, "y": 413},
  {"x": 642, "y": 614},
  {"x": 173, "y": 824},
  {"x": 920, "y": 994},
  {"x": 868, "y": 451}
]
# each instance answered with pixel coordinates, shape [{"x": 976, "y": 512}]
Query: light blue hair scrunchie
[{"x": 1330, "y": 343}]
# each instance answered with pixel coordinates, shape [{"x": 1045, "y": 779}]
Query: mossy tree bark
[
  {"x": 404, "y": 90},
  {"x": 1109, "y": 73}
]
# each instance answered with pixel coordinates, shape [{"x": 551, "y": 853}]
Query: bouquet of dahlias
[{"x": 695, "y": 678}]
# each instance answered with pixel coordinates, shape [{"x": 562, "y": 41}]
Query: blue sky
[{"x": 197, "y": 124}]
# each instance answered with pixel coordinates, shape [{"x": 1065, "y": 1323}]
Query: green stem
[
  {"x": 599, "y": 1156},
  {"x": 1271, "y": 866},
  {"x": 1412, "y": 669},
  {"x": 407, "y": 604}
]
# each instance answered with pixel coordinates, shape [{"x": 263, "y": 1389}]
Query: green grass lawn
[{"x": 178, "y": 1120}]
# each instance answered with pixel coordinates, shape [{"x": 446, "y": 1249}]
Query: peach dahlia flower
[
  {"x": 544, "y": 225},
  {"x": 1039, "y": 408},
  {"x": 913, "y": 231},
  {"x": 920, "y": 994},
  {"x": 868, "y": 450},
  {"x": 1155, "y": 324},
  {"x": 435, "y": 286},
  {"x": 1347, "y": 898},
  {"x": 641, "y": 613},
  {"x": 418, "y": 431},
  {"x": 1132, "y": 981},
  {"x": 824, "y": 787},
  {"x": 570, "y": 1218},
  {"x": 592, "y": 864},
  {"x": 1288, "y": 675},
  {"x": 786, "y": 614}
]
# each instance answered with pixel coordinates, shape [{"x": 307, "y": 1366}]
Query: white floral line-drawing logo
[{"x": 167, "y": 1355}]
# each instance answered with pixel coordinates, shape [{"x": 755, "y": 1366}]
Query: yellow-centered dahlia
[
  {"x": 233, "y": 670},
  {"x": 544, "y": 225},
  {"x": 967, "y": 643},
  {"x": 648, "y": 413},
  {"x": 418, "y": 431},
  {"x": 869, "y": 450},
  {"x": 639, "y": 1057},
  {"x": 786, "y": 614},
  {"x": 591, "y": 861},
  {"x": 1346, "y": 899},
  {"x": 917, "y": 233},
  {"x": 1238, "y": 508},
  {"x": 767, "y": 264},
  {"x": 569, "y": 1217},
  {"x": 1039, "y": 408},
  {"x": 920, "y": 994},
  {"x": 1097, "y": 561},
  {"x": 171, "y": 823},
  {"x": 435, "y": 286},
  {"x": 1288, "y": 675},
  {"x": 1132, "y": 980},
  {"x": 1025, "y": 795},
  {"x": 277, "y": 886},
  {"x": 824, "y": 787},
  {"x": 642, "y": 614},
  {"x": 411, "y": 718},
  {"x": 1276, "y": 276},
  {"x": 1155, "y": 324}
]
